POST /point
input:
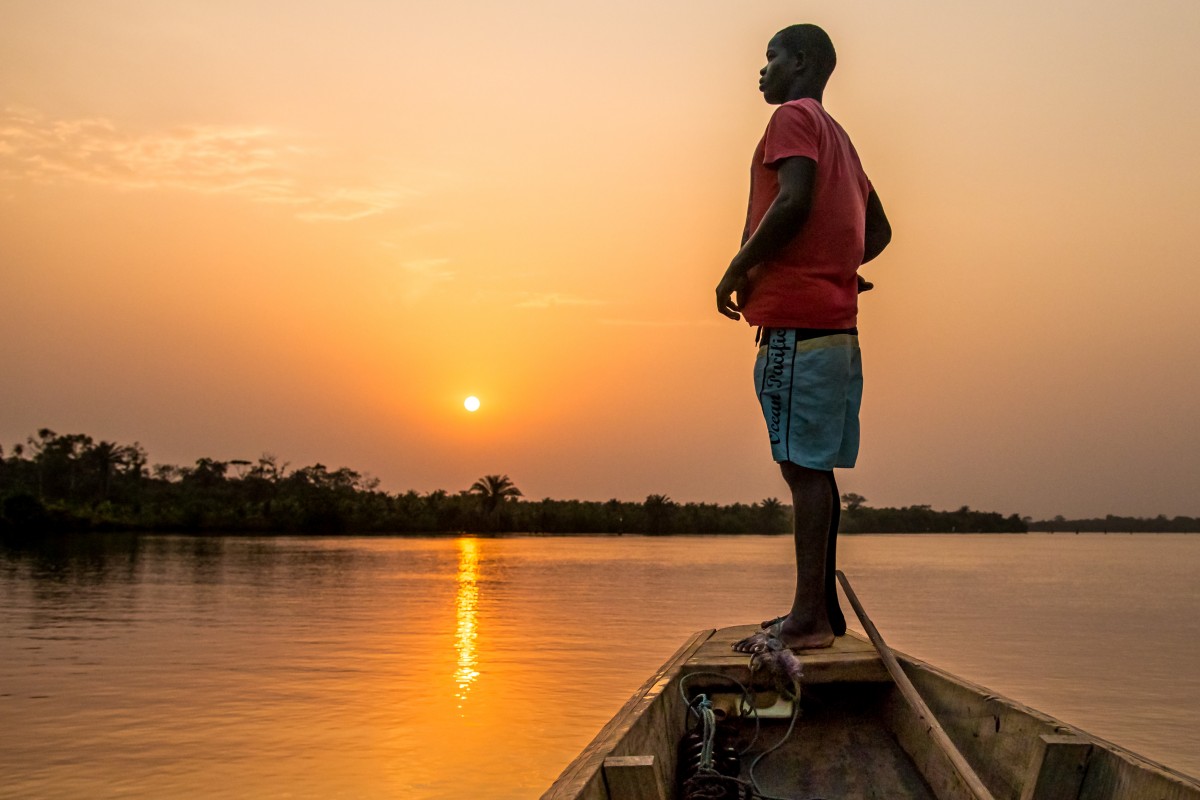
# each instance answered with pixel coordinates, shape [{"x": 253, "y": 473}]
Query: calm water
[{"x": 150, "y": 667}]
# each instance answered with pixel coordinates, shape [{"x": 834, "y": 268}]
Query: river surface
[{"x": 422, "y": 668}]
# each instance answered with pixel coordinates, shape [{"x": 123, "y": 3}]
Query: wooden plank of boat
[
  {"x": 944, "y": 760},
  {"x": 851, "y": 658},
  {"x": 1003, "y": 739},
  {"x": 645, "y": 726},
  {"x": 858, "y": 737}
]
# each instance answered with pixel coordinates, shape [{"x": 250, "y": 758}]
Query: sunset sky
[{"x": 314, "y": 228}]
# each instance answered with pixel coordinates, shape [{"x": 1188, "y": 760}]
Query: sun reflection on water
[{"x": 467, "y": 615}]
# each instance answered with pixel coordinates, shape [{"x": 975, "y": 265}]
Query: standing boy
[{"x": 813, "y": 220}]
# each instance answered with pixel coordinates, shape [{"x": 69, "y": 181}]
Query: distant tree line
[
  {"x": 71, "y": 482},
  {"x": 1115, "y": 524},
  {"x": 857, "y": 517}
]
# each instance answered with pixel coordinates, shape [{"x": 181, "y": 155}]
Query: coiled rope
[{"x": 708, "y": 784}]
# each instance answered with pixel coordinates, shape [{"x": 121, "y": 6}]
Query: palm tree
[
  {"x": 658, "y": 509},
  {"x": 773, "y": 515},
  {"x": 105, "y": 457},
  {"x": 493, "y": 491}
]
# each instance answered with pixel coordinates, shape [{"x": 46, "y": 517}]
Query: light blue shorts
[{"x": 810, "y": 391}]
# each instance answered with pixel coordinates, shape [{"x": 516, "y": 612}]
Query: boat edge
[{"x": 587, "y": 766}]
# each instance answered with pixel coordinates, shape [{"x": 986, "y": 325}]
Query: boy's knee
[{"x": 797, "y": 475}]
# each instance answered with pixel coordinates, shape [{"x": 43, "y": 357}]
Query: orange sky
[{"x": 313, "y": 229}]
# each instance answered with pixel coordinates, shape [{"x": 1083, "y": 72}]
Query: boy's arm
[
  {"x": 878, "y": 229},
  {"x": 878, "y": 234},
  {"x": 779, "y": 226}
]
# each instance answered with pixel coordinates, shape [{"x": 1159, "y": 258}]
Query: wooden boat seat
[{"x": 851, "y": 659}]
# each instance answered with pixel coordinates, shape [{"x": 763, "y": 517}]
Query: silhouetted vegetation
[
  {"x": 1114, "y": 524},
  {"x": 857, "y": 517},
  {"x": 494, "y": 491},
  {"x": 70, "y": 482}
]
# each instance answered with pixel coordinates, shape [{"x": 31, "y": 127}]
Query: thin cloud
[
  {"x": 344, "y": 205},
  {"x": 659, "y": 323},
  {"x": 421, "y": 275},
  {"x": 254, "y": 163},
  {"x": 554, "y": 299},
  {"x": 429, "y": 268}
]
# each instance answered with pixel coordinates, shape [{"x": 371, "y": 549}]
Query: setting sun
[
  {"x": 213, "y": 117},
  {"x": 471, "y": 403}
]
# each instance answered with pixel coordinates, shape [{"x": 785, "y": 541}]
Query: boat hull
[{"x": 857, "y": 737}]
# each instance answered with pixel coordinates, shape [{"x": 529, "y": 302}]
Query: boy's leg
[
  {"x": 833, "y": 608},
  {"x": 809, "y": 389},
  {"x": 837, "y": 620},
  {"x": 807, "y": 624}
]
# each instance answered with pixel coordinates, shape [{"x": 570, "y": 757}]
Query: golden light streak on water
[
  {"x": 354, "y": 668},
  {"x": 466, "y": 612}
]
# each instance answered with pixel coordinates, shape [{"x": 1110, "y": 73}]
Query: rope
[
  {"x": 787, "y": 734},
  {"x": 709, "y": 737},
  {"x": 707, "y": 783},
  {"x": 748, "y": 701}
]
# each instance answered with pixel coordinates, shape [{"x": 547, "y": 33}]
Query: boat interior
[{"x": 856, "y": 735}]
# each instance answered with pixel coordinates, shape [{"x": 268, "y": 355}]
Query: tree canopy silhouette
[
  {"x": 493, "y": 492},
  {"x": 68, "y": 482}
]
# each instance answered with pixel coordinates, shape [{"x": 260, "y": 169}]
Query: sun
[{"x": 471, "y": 403}]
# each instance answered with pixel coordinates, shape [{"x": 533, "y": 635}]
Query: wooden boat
[{"x": 859, "y": 734}]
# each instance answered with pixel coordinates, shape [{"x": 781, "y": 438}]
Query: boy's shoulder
[
  {"x": 804, "y": 105},
  {"x": 805, "y": 112}
]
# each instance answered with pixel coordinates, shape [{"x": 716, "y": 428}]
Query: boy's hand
[
  {"x": 864, "y": 285},
  {"x": 732, "y": 282}
]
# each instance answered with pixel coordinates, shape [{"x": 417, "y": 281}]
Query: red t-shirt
[{"x": 811, "y": 282}]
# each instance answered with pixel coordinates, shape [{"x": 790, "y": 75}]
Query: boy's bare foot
[
  {"x": 757, "y": 642},
  {"x": 810, "y": 641},
  {"x": 809, "y": 636},
  {"x": 837, "y": 620},
  {"x": 789, "y": 638}
]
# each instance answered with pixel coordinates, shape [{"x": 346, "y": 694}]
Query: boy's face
[{"x": 776, "y": 77}]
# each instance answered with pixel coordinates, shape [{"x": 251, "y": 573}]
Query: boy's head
[{"x": 798, "y": 54}]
